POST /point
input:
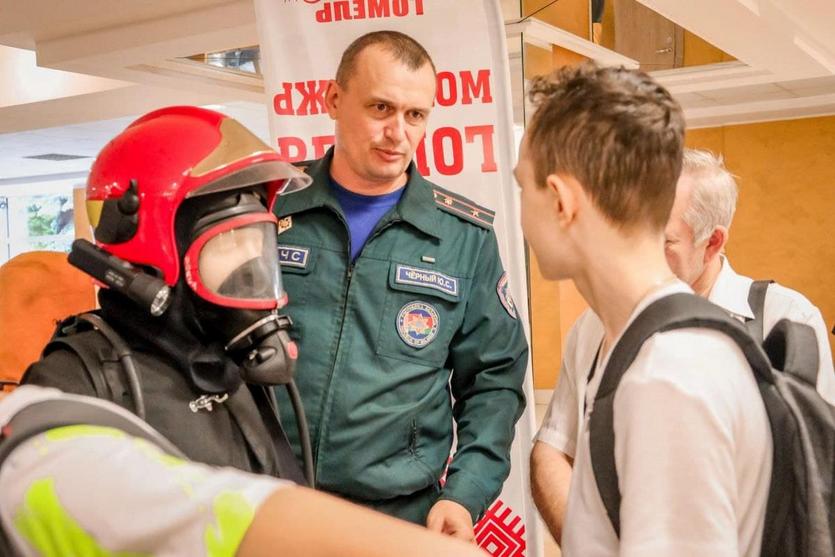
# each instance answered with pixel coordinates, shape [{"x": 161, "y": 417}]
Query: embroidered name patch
[
  {"x": 293, "y": 256},
  {"x": 417, "y": 324},
  {"x": 429, "y": 279},
  {"x": 503, "y": 290}
]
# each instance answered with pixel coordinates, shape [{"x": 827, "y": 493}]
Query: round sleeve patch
[{"x": 503, "y": 290}]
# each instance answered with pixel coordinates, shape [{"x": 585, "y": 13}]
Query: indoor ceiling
[{"x": 785, "y": 69}]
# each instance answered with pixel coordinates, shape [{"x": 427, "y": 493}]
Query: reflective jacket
[{"x": 422, "y": 316}]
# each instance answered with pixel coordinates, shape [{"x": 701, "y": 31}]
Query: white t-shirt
[
  {"x": 87, "y": 490},
  {"x": 692, "y": 450}
]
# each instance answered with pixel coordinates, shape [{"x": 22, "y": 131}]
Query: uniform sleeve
[
  {"x": 62, "y": 370},
  {"x": 87, "y": 490},
  {"x": 489, "y": 358},
  {"x": 559, "y": 428}
]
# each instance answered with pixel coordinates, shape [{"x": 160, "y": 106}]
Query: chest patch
[
  {"x": 293, "y": 257},
  {"x": 417, "y": 324},
  {"x": 503, "y": 290},
  {"x": 429, "y": 279}
]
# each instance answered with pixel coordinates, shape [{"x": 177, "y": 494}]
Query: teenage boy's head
[{"x": 602, "y": 152}]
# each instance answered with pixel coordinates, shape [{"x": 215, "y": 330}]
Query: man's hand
[{"x": 452, "y": 519}]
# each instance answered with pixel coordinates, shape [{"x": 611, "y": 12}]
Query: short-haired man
[
  {"x": 598, "y": 170},
  {"x": 399, "y": 301},
  {"x": 696, "y": 234}
]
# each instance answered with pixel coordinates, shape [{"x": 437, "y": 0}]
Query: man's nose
[{"x": 396, "y": 128}]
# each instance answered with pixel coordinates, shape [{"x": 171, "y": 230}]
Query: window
[{"x": 38, "y": 217}]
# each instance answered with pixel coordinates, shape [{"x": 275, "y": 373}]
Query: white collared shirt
[
  {"x": 730, "y": 291},
  {"x": 692, "y": 449}
]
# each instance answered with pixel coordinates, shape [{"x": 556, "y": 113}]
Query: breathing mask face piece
[
  {"x": 235, "y": 263},
  {"x": 232, "y": 267}
]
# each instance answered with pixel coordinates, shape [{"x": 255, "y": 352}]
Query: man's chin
[{"x": 388, "y": 172}]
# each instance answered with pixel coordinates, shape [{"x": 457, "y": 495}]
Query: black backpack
[
  {"x": 799, "y": 518},
  {"x": 109, "y": 366}
]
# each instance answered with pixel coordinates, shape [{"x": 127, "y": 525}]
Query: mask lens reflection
[{"x": 242, "y": 263}]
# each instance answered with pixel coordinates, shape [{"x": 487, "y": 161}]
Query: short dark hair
[
  {"x": 403, "y": 47},
  {"x": 617, "y": 131}
]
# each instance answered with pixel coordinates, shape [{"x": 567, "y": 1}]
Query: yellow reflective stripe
[
  {"x": 46, "y": 525},
  {"x": 68, "y": 432},
  {"x": 234, "y": 515}
]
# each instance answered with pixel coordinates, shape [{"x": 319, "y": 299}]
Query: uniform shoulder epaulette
[{"x": 463, "y": 208}]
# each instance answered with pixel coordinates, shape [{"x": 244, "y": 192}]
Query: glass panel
[
  {"x": 245, "y": 59},
  {"x": 511, "y": 9},
  {"x": 632, "y": 29},
  {"x": 5, "y": 248},
  {"x": 569, "y": 15},
  {"x": 36, "y": 222}
]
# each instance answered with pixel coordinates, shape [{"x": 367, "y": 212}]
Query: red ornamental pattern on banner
[{"x": 501, "y": 532}]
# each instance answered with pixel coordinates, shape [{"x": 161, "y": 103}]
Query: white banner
[{"x": 469, "y": 148}]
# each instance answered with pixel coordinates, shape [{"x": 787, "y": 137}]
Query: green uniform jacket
[{"x": 421, "y": 315}]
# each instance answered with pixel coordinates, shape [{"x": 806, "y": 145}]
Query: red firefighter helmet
[{"x": 140, "y": 179}]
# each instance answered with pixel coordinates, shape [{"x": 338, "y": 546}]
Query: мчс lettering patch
[
  {"x": 291, "y": 256},
  {"x": 427, "y": 278},
  {"x": 417, "y": 324}
]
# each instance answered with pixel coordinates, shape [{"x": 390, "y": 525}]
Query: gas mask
[{"x": 232, "y": 268}]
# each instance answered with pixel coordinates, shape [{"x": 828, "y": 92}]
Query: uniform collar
[
  {"x": 730, "y": 291},
  {"x": 417, "y": 206},
  {"x": 317, "y": 194}
]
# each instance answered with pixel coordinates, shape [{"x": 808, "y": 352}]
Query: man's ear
[
  {"x": 333, "y": 95},
  {"x": 716, "y": 243},
  {"x": 565, "y": 199}
]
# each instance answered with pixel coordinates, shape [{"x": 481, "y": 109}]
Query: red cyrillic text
[
  {"x": 339, "y": 10},
  {"x": 294, "y": 149},
  {"x": 311, "y": 100},
  {"x": 447, "y": 144},
  {"x": 477, "y": 87},
  {"x": 448, "y": 150}
]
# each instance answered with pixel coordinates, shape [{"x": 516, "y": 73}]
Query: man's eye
[
  {"x": 416, "y": 115},
  {"x": 381, "y": 107}
]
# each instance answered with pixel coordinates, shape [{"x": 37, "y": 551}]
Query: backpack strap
[
  {"x": 52, "y": 413},
  {"x": 677, "y": 311},
  {"x": 93, "y": 361},
  {"x": 252, "y": 411},
  {"x": 756, "y": 299}
]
